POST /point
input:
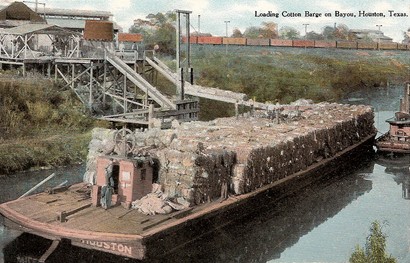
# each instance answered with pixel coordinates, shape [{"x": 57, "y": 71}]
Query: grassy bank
[
  {"x": 41, "y": 124},
  {"x": 286, "y": 74}
]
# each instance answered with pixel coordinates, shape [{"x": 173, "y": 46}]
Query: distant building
[
  {"x": 370, "y": 35},
  {"x": 19, "y": 13}
]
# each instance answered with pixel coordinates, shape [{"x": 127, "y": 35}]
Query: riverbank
[
  {"x": 43, "y": 153},
  {"x": 42, "y": 124}
]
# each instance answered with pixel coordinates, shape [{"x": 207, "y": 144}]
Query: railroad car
[
  {"x": 257, "y": 42},
  {"x": 303, "y": 43},
  {"x": 210, "y": 40},
  {"x": 281, "y": 43},
  {"x": 401, "y": 46},
  {"x": 325, "y": 44},
  {"x": 192, "y": 39},
  {"x": 234, "y": 41},
  {"x": 366, "y": 45},
  {"x": 346, "y": 44},
  {"x": 388, "y": 46}
]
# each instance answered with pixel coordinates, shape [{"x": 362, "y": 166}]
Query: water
[{"x": 320, "y": 223}]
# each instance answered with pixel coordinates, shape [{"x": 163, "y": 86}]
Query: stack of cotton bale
[
  {"x": 187, "y": 171},
  {"x": 102, "y": 143},
  {"x": 319, "y": 135}
]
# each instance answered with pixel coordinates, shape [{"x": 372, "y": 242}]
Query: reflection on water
[{"x": 399, "y": 167}]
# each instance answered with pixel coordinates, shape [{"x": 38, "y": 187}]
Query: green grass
[
  {"x": 41, "y": 124},
  {"x": 286, "y": 74}
]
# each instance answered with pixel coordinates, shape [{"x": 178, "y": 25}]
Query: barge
[
  {"x": 209, "y": 173},
  {"x": 397, "y": 139}
]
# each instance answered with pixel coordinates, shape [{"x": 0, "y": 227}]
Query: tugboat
[{"x": 397, "y": 139}]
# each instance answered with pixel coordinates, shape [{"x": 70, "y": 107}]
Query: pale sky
[{"x": 241, "y": 13}]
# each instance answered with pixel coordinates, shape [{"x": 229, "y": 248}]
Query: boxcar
[
  {"x": 346, "y": 44},
  {"x": 401, "y": 46},
  {"x": 367, "y": 45},
  {"x": 388, "y": 46},
  {"x": 325, "y": 44},
  {"x": 209, "y": 40},
  {"x": 281, "y": 42},
  {"x": 234, "y": 41},
  {"x": 192, "y": 39},
  {"x": 257, "y": 42},
  {"x": 303, "y": 43}
]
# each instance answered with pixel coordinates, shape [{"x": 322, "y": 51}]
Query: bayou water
[{"x": 320, "y": 223}]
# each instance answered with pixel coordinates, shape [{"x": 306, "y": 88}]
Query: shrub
[{"x": 375, "y": 249}]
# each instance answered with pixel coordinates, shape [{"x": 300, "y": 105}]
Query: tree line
[{"x": 159, "y": 29}]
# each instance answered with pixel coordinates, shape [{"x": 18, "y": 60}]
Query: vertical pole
[
  {"x": 178, "y": 59},
  {"x": 25, "y": 46},
  {"x": 189, "y": 69},
  {"x": 188, "y": 41},
  {"x": 125, "y": 91},
  {"x": 182, "y": 91},
  {"x": 49, "y": 69},
  {"x": 72, "y": 76},
  {"x": 90, "y": 101},
  {"x": 13, "y": 46},
  {"x": 199, "y": 25},
  {"x": 226, "y": 34},
  {"x": 236, "y": 110},
  {"x": 105, "y": 81},
  {"x": 55, "y": 72},
  {"x": 150, "y": 116}
]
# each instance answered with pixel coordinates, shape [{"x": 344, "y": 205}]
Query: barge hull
[{"x": 167, "y": 236}]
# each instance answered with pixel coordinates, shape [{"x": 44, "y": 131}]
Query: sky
[{"x": 212, "y": 14}]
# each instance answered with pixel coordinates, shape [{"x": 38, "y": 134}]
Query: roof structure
[
  {"x": 375, "y": 35},
  {"x": 74, "y": 24},
  {"x": 19, "y": 11},
  {"x": 104, "y": 15},
  {"x": 38, "y": 29}
]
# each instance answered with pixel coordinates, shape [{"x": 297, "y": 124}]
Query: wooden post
[
  {"x": 90, "y": 100},
  {"x": 150, "y": 116},
  {"x": 72, "y": 76},
  {"x": 55, "y": 72},
  {"x": 236, "y": 110},
  {"x": 49, "y": 69}
]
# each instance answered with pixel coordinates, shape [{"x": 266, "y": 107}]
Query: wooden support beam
[
  {"x": 62, "y": 216},
  {"x": 49, "y": 251}
]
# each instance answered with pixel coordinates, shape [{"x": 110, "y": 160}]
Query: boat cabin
[
  {"x": 127, "y": 179},
  {"x": 400, "y": 127}
]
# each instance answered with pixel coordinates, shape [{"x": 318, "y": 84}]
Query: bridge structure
[{"x": 116, "y": 85}]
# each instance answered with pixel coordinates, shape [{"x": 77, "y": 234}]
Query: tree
[
  {"x": 158, "y": 29},
  {"x": 341, "y": 32},
  {"x": 406, "y": 36},
  {"x": 237, "y": 33},
  {"x": 288, "y": 32},
  {"x": 312, "y": 35},
  {"x": 328, "y": 33},
  {"x": 269, "y": 30},
  {"x": 375, "y": 249},
  {"x": 252, "y": 32}
]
